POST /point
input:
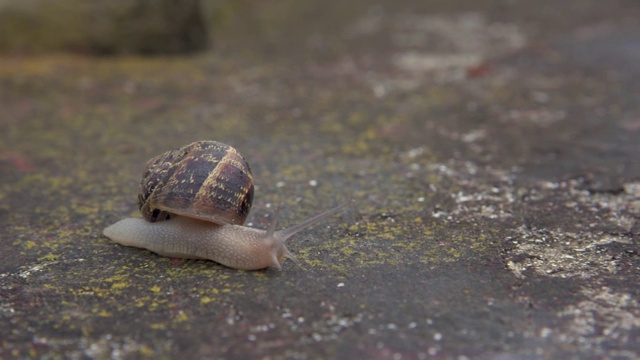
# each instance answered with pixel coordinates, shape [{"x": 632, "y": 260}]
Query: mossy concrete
[{"x": 492, "y": 149}]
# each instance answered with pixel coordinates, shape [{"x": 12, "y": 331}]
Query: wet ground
[{"x": 492, "y": 147}]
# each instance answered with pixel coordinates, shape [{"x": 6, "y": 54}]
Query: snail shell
[{"x": 205, "y": 180}]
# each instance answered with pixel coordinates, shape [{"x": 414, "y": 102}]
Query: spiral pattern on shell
[{"x": 207, "y": 180}]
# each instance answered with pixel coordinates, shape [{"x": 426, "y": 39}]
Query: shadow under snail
[{"x": 194, "y": 201}]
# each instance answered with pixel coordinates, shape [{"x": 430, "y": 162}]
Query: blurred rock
[{"x": 104, "y": 27}]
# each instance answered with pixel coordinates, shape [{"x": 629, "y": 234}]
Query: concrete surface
[{"x": 493, "y": 148}]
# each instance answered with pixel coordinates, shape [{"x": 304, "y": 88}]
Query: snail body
[{"x": 194, "y": 201}]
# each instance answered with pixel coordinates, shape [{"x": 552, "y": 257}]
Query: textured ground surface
[{"x": 493, "y": 148}]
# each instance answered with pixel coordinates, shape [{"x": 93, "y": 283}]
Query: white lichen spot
[
  {"x": 415, "y": 152},
  {"x": 545, "y": 332},
  {"x": 604, "y": 316}
]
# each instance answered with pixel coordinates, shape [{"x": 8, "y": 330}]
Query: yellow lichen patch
[
  {"x": 181, "y": 317},
  {"x": 27, "y": 245},
  {"x": 146, "y": 351},
  {"x": 116, "y": 278},
  {"x": 35, "y": 66},
  {"x": 205, "y": 300},
  {"x": 48, "y": 257},
  {"x": 119, "y": 285},
  {"x": 160, "y": 303},
  {"x": 158, "y": 326},
  {"x": 347, "y": 251},
  {"x": 259, "y": 275},
  {"x": 155, "y": 288},
  {"x": 303, "y": 255}
]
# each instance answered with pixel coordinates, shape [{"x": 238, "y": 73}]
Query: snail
[{"x": 194, "y": 201}]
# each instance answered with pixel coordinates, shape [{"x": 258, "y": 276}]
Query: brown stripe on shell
[{"x": 227, "y": 188}]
